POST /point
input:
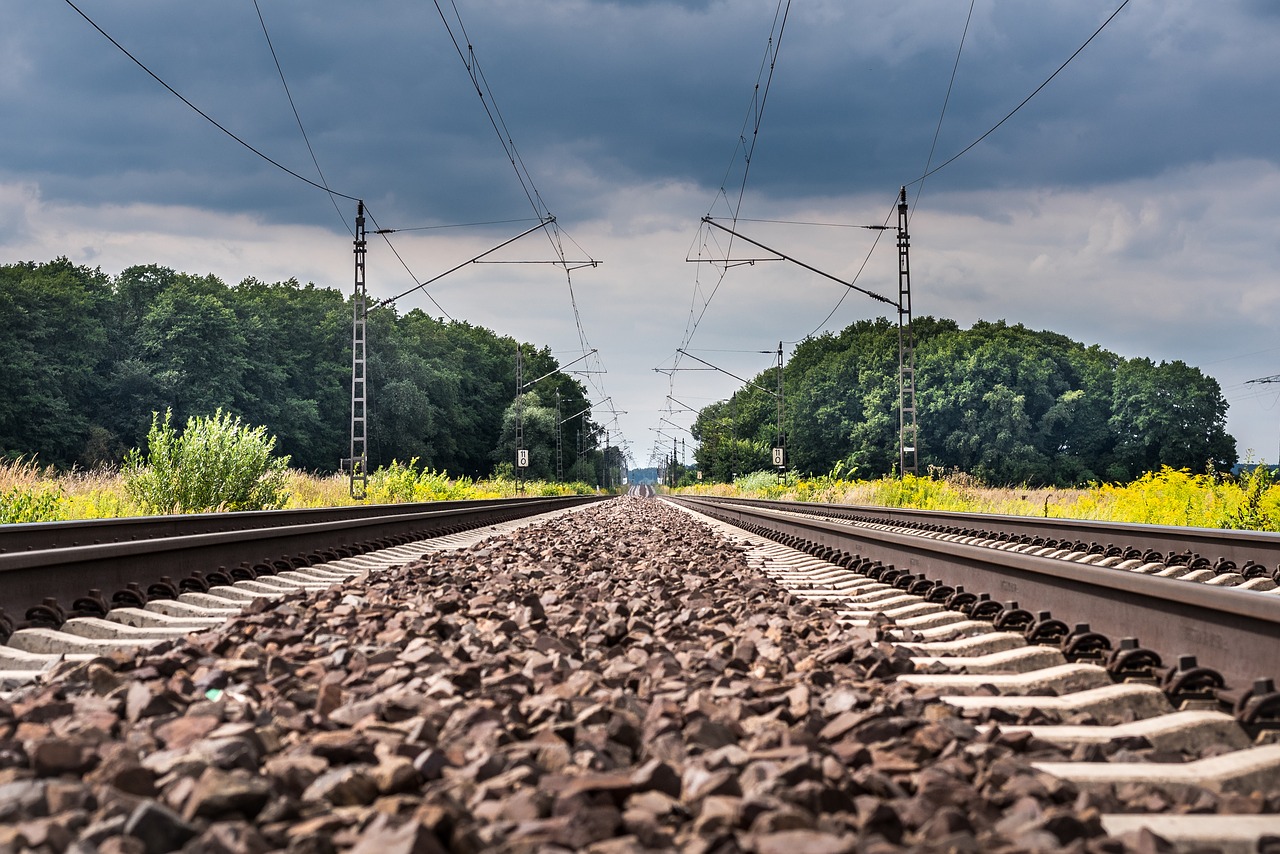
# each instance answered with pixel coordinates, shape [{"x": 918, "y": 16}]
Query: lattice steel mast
[
  {"x": 780, "y": 447},
  {"x": 559, "y": 441},
  {"x": 359, "y": 460},
  {"x": 908, "y": 431},
  {"x": 522, "y": 457}
]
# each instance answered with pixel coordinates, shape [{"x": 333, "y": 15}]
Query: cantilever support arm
[
  {"x": 682, "y": 403},
  {"x": 585, "y": 411},
  {"x": 559, "y": 369},
  {"x": 767, "y": 391},
  {"x": 875, "y": 296},
  {"x": 675, "y": 425},
  {"x": 537, "y": 227}
]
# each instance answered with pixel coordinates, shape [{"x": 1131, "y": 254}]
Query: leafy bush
[
  {"x": 1257, "y": 508},
  {"x": 29, "y": 493},
  {"x": 22, "y": 504},
  {"x": 217, "y": 463},
  {"x": 757, "y": 482},
  {"x": 398, "y": 483}
]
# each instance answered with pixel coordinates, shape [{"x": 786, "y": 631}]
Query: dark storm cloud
[
  {"x": 629, "y": 91},
  {"x": 1141, "y": 182}
]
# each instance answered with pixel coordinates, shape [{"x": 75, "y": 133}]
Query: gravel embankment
[{"x": 615, "y": 680}]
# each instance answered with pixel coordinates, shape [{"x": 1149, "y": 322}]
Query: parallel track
[
  {"x": 1129, "y": 723},
  {"x": 1215, "y": 545},
  {"x": 64, "y": 561},
  {"x": 1233, "y": 631},
  {"x": 992, "y": 675}
]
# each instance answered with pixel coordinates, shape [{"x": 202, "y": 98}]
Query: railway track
[
  {"x": 1139, "y": 736},
  {"x": 1190, "y": 598},
  {"x": 52, "y": 572},
  {"x": 1023, "y": 671}
]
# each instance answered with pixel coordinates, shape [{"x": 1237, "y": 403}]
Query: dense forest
[
  {"x": 1004, "y": 403},
  {"x": 86, "y": 359}
]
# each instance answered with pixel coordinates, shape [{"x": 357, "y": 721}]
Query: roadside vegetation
[
  {"x": 1089, "y": 434},
  {"x": 1166, "y": 497},
  {"x": 219, "y": 464},
  {"x": 31, "y": 493},
  {"x": 1007, "y": 404},
  {"x": 86, "y": 358}
]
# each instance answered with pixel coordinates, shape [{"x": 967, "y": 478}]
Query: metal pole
[
  {"x": 559, "y": 441},
  {"x": 519, "y": 418},
  {"x": 908, "y": 431},
  {"x": 733, "y": 437},
  {"x": 359, "y": 379},
  {"x": 782, "y": 438}
]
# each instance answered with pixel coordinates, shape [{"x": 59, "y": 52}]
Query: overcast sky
[{"x": 1133, "y": 203}]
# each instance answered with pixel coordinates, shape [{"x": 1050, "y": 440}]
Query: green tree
[
  {"x": 53, "y": 345},
  {"x": 86, "y": 360},
  {"x": 1006, "y": 403},
  {"x": 194, "y": 345},
  {"x": 1169, "y": 414}
]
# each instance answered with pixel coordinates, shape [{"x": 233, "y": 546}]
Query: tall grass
[
  {"x": 1166, "y": 497},
  {"x": 30, "y": 493}
]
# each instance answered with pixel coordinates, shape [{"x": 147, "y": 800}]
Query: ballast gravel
[{"x": 617, "y": 679}]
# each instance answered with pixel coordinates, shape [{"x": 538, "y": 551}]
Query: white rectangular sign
[{"x": 522, "y": 458}]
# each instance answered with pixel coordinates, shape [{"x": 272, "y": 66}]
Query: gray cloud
[{"x": 626, "y": 114}]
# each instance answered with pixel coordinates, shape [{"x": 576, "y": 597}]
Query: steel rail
[
  {"x": 1236, "y": 632},
  {"x": 29, "y": 577},
  {"x": 36, "y": 536},
  {"x": 1262, "y": 547}
]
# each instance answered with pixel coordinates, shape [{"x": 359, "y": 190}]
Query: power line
[
  {"x": 383, "y": 233},
  {"x": 472, "y": 64},
  {"x": 763, "y": 99},
  {"x": 754, "y": 111},
  {"x": 201, "y": 112},
  {"x": 945, "y": 101},
  {"x": 865, "y": 260},
  {"x": 298, "y": 117},
  {"x": 456, "y": 225},
  {"x": 324, "y": 186},
  {"x": 1035, "y": 92},
  {"x": 801, "y": 222},
  {"x": 481, "y": 86},
  {"x": 555, "y": 235}
]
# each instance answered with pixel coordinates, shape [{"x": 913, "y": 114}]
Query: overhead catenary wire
[
  {"x": 880, "y": 231},
  {"x": 555, "y": 235},
  {"x": 753, "y": 120},
  {"x": 937, "y": 131},
  {"x": 935, "y": 170},
  {"x": 202, "y": 113},
  {"x": 320, "y": 172},
  {"x": 919, "y": 189},
  {"x": 456, "y": 225},
  {"x": 329, "y": 191},
  {"x": 423, "y": 286},
  {"x": 297, "y": 117},
  {"x": 930, "y": 171}
]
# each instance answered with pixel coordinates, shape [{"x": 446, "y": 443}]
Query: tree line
[
  {"x": 86, "y": 358},
  {"x": 1005, "y": 403}
]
